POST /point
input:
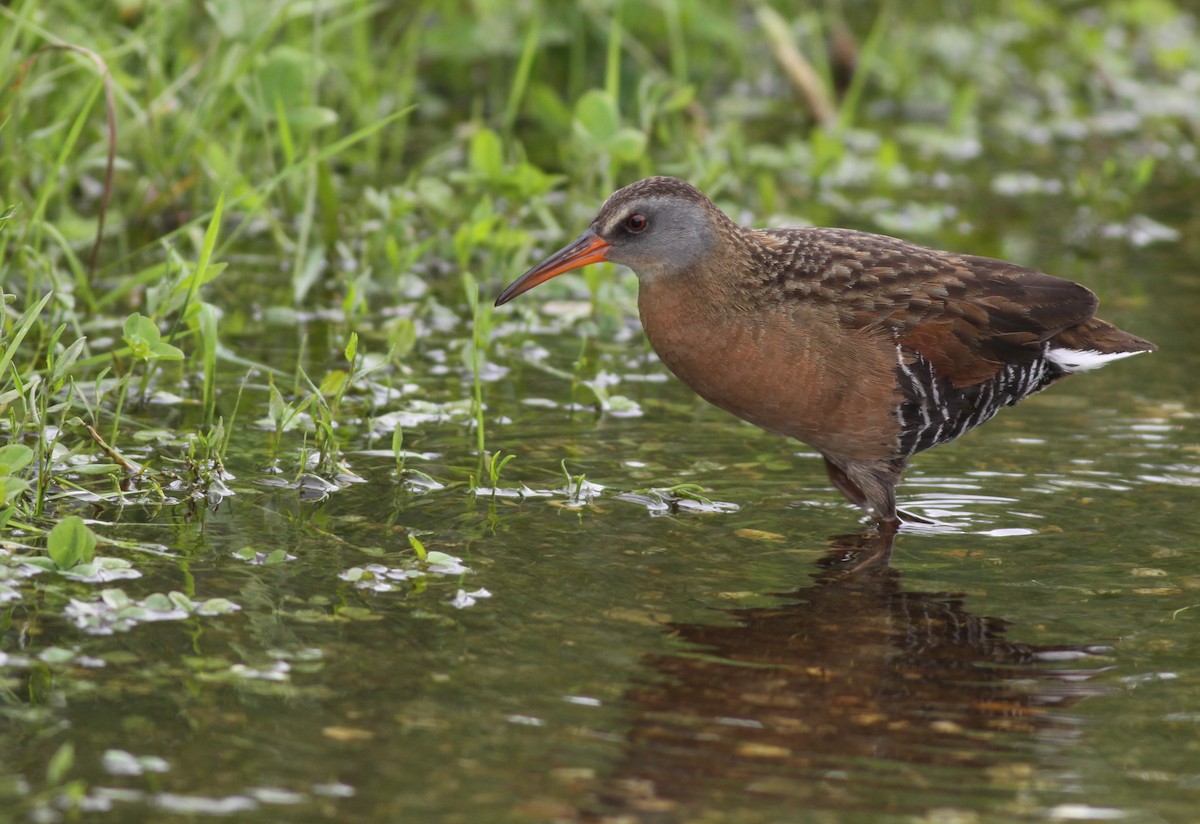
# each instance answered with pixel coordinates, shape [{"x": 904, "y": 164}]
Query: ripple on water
[{"x": 957, "y": 505}]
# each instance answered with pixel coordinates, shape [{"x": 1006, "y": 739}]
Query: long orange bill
[{"x": 585, "y": 249}]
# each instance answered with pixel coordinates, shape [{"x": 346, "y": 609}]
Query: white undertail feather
[{"x": 1081, "y": 360}]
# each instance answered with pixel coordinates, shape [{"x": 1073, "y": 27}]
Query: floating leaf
[
  {"x": 102, "y": 570},
  {"x": 217, "y": 606},
  {"x": 71, "y": 542},
  {"x": 178, "y": 601},
  {"x": 116, "y": 612},
  {"x": 114, "y": 598},
  {"x": 354, "y": 574},
  {"x": 56, "y": 655},
  {"x": 120, "y": 762},
  {"x": 464, "y": 599},
  {"x": 158, "y": 602},
  {"x": 442, "y": 564}
]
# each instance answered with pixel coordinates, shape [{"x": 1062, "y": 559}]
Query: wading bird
[{"x": 867, "y": 348}]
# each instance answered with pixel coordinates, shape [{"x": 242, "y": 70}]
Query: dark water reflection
[{"x": 851, "y": 693}]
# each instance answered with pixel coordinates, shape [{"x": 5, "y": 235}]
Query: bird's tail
[{"x": 1093, "y": 344}]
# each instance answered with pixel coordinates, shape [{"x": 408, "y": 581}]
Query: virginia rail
[{"x": 867, "y": 348}]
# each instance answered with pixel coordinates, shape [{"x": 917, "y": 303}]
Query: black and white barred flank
[{"x": 935, "y": 411}]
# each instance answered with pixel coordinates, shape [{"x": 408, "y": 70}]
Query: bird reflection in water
[{"x": 850, "y": 694}]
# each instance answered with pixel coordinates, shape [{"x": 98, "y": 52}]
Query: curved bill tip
[{"x": 587, "y": 248}]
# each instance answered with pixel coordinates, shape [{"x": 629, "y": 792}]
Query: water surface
[{"x": 1031, "y": 657}]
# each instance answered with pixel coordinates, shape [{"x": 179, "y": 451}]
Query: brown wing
[
  {"x": 994, "y": 314},
  {"x": 967, "y": 316}
]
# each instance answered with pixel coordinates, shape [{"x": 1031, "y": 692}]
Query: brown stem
[{"x": 111, "y": 452}]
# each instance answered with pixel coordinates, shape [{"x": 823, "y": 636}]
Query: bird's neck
[
  {"x": 686, "y": 311},
  {"x": 716, "y": 287}
]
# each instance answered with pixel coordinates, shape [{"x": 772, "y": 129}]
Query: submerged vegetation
[{"x": 251, "y": 247}]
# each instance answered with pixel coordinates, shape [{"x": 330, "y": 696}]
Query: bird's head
[{"x": 657, "y": 227}]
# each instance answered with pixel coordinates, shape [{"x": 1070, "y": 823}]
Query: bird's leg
[
  {"x": 874, "y": 487},
  {"x": 845, "y": 486},
  {"x": 852, "y": 491}
]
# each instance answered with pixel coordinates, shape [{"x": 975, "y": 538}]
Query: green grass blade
[
  {"x": 520, "y": 81},
  {"x": 19, "y": 332}
]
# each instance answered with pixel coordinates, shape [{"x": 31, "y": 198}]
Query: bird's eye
[{"x": 636, "y": 223}]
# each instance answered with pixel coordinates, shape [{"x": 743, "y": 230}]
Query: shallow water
[{"x": 1031, "y": 656}]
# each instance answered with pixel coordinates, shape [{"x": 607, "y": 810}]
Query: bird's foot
[{"x": 909, "y": 518}]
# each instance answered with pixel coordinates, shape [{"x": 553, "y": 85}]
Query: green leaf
[
  {"x": 217, "y": 606},
  {"x": 212, "y": 272},
  {"x": 469, "y": 353},
  {"x": 279, "y": 412},
  {"x": 142, "y": 335},
  {"x": 63, "y": 362},
  {"x": 486, "y": 155},
  {"x": 681, "y": 99},
  {"x": 160, "y": 602},
  {"x": 417, "y": 546},
  {"x": 596, "y": 114},
  {"x": 17, "y": 333},
  {"x": 402, "y": 337},
  {"x": 10, "y": 489},
  {"x": 311, "y": 118},
  {"x": 165, "y": 351},
  {"x": 206, "y": 322},
  {"x": 180, "y": 601},
  {"x": 496, "y": 466},
  {"x": 60, "y": 764},
  {"x": 332, "y": 383},
  {"x": 14, "y": 458},
  {"x": 56, "y": 655},
  {"x": 115, "y": 598},
  {"x": 284, "y": 76},
  {"x": 627, "y": 145},
  {"x": 96, "y": 469},
  {"x": 141, "y": 328},
  {"x": 352, "y": 347},
  {"x": 71, "y": 542},
  {"x": 38, "y": 561}
]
